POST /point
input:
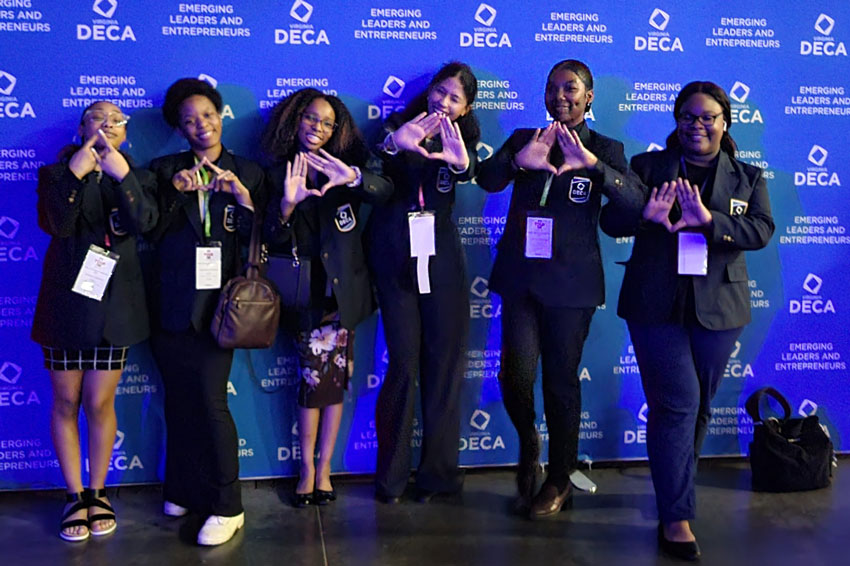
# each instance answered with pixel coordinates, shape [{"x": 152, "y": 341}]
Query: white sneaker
[
  {"x": 173, "y": 510},
  {"x": 218, "y": 529}
]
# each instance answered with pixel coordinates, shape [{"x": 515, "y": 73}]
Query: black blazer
[
  {"x": 78, "y": 213},
  {"x": 328, "y": 229},
  {"x": 573, "y": 277},
  {"x": 722, "y": 299},
  {"x": 388, "y": 234},
  {"x": 176, "y": 303}
]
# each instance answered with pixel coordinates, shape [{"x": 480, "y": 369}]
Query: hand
[
  {"x": 111, "y": 161},
  {"x": 337, "y": 172},
  {"x": 660, "y": 203},
  {"x": 185, "y": 180},
  {"x": 411, "y": 134},
  {"x": 694, "y": 212},
  {"x": 535, "y": 155},
  {"x": 295, "y": 185},
  {"x": 576, "y": 156},
  {"x": 83, "y": 161},
  {"x": 453, "y": 152}
]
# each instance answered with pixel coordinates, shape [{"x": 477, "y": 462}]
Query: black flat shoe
[
  {"x": 304, "y": 499},
  {"x": 324, "y": 497},
  {"x": 550, "y": 501},
  {"x": 682, "y": 550}
]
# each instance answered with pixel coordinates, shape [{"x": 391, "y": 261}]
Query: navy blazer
[
  {"x": 722, "y": 297},
  {"x": 176, "y": 303},
  {"x": 573, "y": 277},
  {"x": 388, "y": 233},
  {"x": 338, "y": 233},
  {"x": 78, "y": 213}
]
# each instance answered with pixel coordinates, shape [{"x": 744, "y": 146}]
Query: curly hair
[
  {"x": 183, "y": 89},
  {"x": 280, "y": 141},
  {"x": 469, "y": 127},
  {"x": 716, "y": 92}
]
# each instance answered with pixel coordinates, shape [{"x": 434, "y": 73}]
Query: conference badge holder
[
  {"x": 422, "y": 245},
  {"x": 539, "y": 228},
  {"x": 208, "y": 266},
  {"x": 693, "y": 254},
  {"x": 95, "y": 273}
]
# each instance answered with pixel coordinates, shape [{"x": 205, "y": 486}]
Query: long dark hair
[
  {"x": 69, "y": 150},
  {"x": 727, "y": 144},
  {"x": 468, "y": 123},
  {"x": 280, "y": 140}
]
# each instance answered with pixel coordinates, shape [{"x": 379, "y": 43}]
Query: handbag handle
[
  {"x": 752, "y": 404},
  {"x": 252, "y": 270}
]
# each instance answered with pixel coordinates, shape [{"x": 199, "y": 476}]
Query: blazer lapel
[
  {"x": 193, "y": 209},
  {"x": 726, "y": 181}
]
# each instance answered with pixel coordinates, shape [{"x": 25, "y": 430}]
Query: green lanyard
[
  {"x": 204, "y": 179},
  {"x": 546, "y": 188}
]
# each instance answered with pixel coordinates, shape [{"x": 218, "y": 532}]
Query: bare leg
[
  {"x": 64, "y": 428},
  {"x": 331, "y": 418},
  {"x": 99, "y": 405},
  {"x": 308, "y": 428}
]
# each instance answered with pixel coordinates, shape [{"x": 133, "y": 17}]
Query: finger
[
  {"x": 317, "y": 162},
  {"x": 107, "y": 147},
  {"x": 288, "y": 171},
  {"x": 97, "y": 156},
  {"x": 576, "y": 139},
  {"x": 89, "y": 143},
  {"x": 328, "y": 156},
  {"x": 325, "y": 188},
  {"x": 418, "y": 118},
  {"x": 424, "y": 153},
  {"x": 314, "y": 192},
  {"x": 537, "y": 135},
  {"x": 458, "y": 132},
  {"x": 214, "y": 167},
  {"x": 677, "y": 226}
]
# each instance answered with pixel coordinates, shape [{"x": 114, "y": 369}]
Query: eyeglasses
[
  {"x": 111, "y": 119},
  {"x": 312, "y": 119},
  {"x": 686, "y": 119}
]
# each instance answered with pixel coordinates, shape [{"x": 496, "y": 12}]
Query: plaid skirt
[{"x": 105, "y": 357}]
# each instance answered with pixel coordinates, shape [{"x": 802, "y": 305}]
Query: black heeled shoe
[
  {"x": 79, "y": 503},
  {"x": 324, "y": 497},
  {"x": 94, "y": 497},
  {"x": 682, "y": 550},
  {"x": 304, "y": 499}
]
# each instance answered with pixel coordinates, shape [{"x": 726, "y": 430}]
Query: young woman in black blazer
[
  {"x": 683, "y": 319},
  {"x": 206, "y": 200},
  {"x": 428, "y": 148},
  {"x": 316, "y": 189},
  {"x": 92, "y": 197}
]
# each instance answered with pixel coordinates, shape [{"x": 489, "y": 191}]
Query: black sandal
[
  {"x": 79, "y": 503},
  {"x": 93, "y": 496}
]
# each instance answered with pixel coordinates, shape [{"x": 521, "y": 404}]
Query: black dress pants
[
  {"x": 201, "y": 461},
  {"x": 531, "y": 330},
  {"x": 426, "y": 338}
]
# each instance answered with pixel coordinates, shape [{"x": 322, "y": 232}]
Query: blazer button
[
  {"x": 336, "y": 281},
  {"x": 325, "y": 255},
  {"x": 618, "y": 182},
  {"x": 70, "y": 199}
]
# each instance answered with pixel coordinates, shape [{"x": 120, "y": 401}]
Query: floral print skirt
[{"x": 323, "y": 356}]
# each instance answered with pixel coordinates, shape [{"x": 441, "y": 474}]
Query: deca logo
[
  {"x": 7, "y": 83},
  {"x": 209, "y": 79},
  {"x": 119, "y": 440},
  {"x": 734, "y": 367},
  {"x": 10, "y": 373},
  {"x": 659, "y": 39},
  {"x": 816, "y": 175},
  {"x": 638, "y": 436},
  {"x": 741, "y": 111},
  {"x": 807, "y": 408},
  {"x": 654, "y": 147},
  {"x": 105, "y": 29},
  {"x": 479, "y": 287},
  {"x": 486, "y": 36},
  {"x": 481, "y": 305},
  {"x": 8, "y": 227},
  {"x": 739, "y": 92},
  {"x": 812, "y": 302},
  {"x": 823, "y": 44},
  {"x": 393, "y": 86},
  {"x": 302, "y": 33},
  {"x": 479, "y": 420},
  {"x": 484, "y": 151}
]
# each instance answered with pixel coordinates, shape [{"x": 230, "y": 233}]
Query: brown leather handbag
[{"x": 248, "y": 310}]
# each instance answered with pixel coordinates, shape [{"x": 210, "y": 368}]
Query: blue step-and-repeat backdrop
[{"x": 784, "y": 65}]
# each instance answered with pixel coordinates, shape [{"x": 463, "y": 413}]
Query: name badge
[
  {"x": 422, "y": 245},
  {"x": 693, "y": 254},
  {"x": 208, "y": 266},
  {"x": 580, "y": 189},
  {"x": 95, "y": 272},
  {"x": 538, "y": 237}
]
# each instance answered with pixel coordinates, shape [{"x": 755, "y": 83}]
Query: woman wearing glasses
[
  {"x": 206, "y": 201},
  {"x": 93, "y": 204},
  {"x": 419, "y": 268},
  {"x": 317, "y": 187},
  {"x": 684, "y": 294}
]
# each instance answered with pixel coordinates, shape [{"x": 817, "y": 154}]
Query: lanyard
[
  {"x": 685, "y": 173},
  {"x": 203, "y": 177},
  {"x": 546, "y": 188}
]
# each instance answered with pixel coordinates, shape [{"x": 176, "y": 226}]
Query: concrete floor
[{"x": 616, "y": 525}]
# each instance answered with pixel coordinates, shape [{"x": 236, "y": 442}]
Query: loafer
[
  {"x": 302, "y": 500},
  {"x": 682, "y": 550},
  {"x": 173, "y": 510},
  {"x": 549, "y": 501},
  {"x": 323, "y": 497},
  {"x": 218, "y": 529}
]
